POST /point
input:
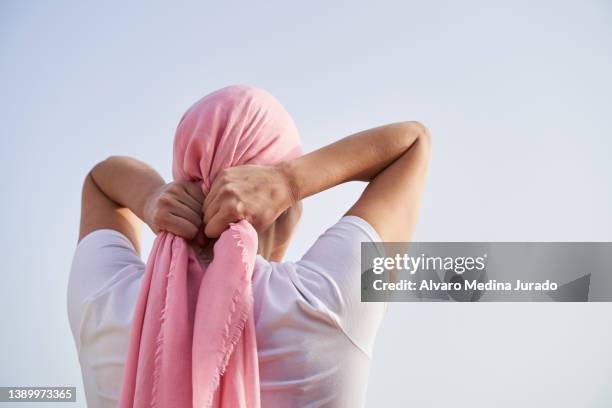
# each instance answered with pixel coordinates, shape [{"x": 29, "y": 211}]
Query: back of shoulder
[
  {"x": 340, "y": 246},
  {"x": 331, "y": 269},
  {"x": 104, "y": 261}
]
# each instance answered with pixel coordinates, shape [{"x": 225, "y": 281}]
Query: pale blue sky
[{"x": 518, "y": 98}]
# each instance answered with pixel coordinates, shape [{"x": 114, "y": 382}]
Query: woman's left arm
[{"x": 121, "y": 192}]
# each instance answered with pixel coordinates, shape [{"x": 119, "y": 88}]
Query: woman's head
[{"x": 234, "y": 126}]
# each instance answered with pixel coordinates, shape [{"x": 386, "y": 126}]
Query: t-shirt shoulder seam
[
  {"x": 362, "y": 224},
  {"x": 111, "y": 231}
]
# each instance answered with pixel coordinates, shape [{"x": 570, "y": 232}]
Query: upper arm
[
  {"x": 391, "y": 201},
  {"x": 98, "y": 211}
]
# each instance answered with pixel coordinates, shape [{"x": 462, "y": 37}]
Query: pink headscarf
[{"x": 192, "y": 342}]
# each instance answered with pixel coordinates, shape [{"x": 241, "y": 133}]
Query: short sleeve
[
  {"x": 103, "y": 259},
  {"x": 102, "y": 291},
  {"x": 332, "y": 269}
]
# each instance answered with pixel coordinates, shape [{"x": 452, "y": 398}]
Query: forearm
[
  {"x": 127, "y": 182},
  {"x": 260, "y": 194},
  {"x": 357, "y": 157}
]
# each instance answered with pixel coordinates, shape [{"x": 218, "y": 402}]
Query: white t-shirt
[{"x": 314, "y": 335}]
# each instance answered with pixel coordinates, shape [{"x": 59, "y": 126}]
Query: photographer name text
[{"x": 473, "y": 284}]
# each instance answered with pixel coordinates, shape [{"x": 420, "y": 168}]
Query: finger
[
  {"x": 195, "y": 191},
  {"x": 215, "y": 189},
  {"x": 222, "y": 196},
  {"x": 186, "y": 199},
  {"x": 212, "y": 194},
  {"x": 219, "y": 223},
  {"x": 212, "y": 209},
  {"x": 180, "y": 226},
  {"x": 179, "y": 209}
]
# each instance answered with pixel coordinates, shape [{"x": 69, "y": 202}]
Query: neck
[{"x": 267, "y": 247}]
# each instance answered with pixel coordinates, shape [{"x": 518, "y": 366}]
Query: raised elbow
[
  {"x": 420, "y": 129},
  {"x": 419, "y": 133}
]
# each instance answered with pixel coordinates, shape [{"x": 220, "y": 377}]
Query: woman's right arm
[{"x": 392, "y": 158}]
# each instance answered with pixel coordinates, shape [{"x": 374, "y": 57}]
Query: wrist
[
  {"x": 147, "y": 203},
  {"x": 287, "y": 171}
]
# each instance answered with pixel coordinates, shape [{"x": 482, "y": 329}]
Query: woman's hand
[
  {"x": 175, "y": 207},
  {"x": 258, "y": 194}
]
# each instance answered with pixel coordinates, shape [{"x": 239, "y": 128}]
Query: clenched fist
[
  {"x": 175, "y": 207},
  {"x": 258, "y": 194}
]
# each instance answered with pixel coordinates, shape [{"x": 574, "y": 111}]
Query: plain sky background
[{"x": 518, "y": 98}]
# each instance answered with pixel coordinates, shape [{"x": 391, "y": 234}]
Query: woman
[{"x": 314, "y": 337}]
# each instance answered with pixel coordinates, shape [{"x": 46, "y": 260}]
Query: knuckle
[
  {"x": 234, "y": 210},
  {"x": 164, "y": 199},
  {"x": 172, "y": 188},
  {"x": 240, "y": 207},
  {"x": 229, "y": 190}
]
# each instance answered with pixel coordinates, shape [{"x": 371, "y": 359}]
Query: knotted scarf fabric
[{"x": 192, "y": 341}]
